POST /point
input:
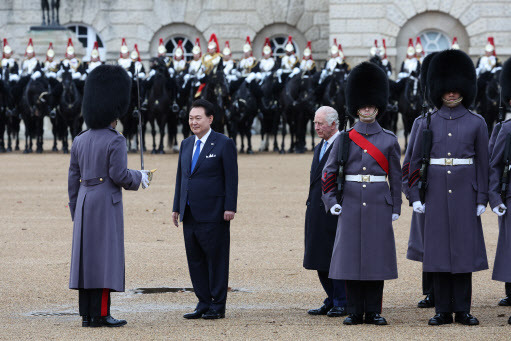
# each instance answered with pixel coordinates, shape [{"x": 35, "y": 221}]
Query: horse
[
  {"x": 488, "y": 98},
  {"x": 271, "y": 116},
  {"x": 410, "y": 103},
  {"x": 243, "y": 111},
  {"x": 69, "y": 117},
  {"x": 389, "y": 119},
  {"x": 332, "y": 94},
  {"x": 216, "y": 91}
]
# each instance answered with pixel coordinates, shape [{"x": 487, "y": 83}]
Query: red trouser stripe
[{"x": 104, "y": 302}]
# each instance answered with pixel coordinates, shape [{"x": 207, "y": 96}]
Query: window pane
[
  {"x": 83, "y": 41},
  {"x": 82, "y": 30}
]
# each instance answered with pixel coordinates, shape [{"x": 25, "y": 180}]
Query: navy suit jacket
[{"x": 212, "y": 187}]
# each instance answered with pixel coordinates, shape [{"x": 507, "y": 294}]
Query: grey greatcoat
[
  {"x": 453, "y": 234},
  {"x": 364, "y": 247},
  {"x": 501, "y": 268},
  {"x": 416, "y": 239},
  {"x": 97, "y": 173},
  {"x": 320, "y": 226}
]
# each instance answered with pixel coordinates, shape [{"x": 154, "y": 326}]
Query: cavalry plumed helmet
[
  {"x": 106, "y": 95},
  {"x": 452, "y": 70},
  {"x": 367, "y": 84},
  {"x": 505, "y": 81}
]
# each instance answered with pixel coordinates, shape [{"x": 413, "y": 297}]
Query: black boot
[
  {"x": 427, "y": 302},
  {"x": 440, "y": 319},
  {"x": 376, "y": 319},
  {"x": 466, "y": 319},
  {"x": 354, "y": 319},
  {"x": 323, "y": 310},
  {"x": 505, "y": 302},
  {"x": 85, "y": 321}
]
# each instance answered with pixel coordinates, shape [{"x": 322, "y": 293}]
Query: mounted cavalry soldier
[
  {"x": 162, "y": 53},
  {"x": 137, "y": 69},
  {"x": 70, "y": 61},
  {"x": 335, "y": 63},
  {"x": 411, "y": 65},
  {"x": 124, "y": 57},
  {"x": 98, "y": 171},
  {"x": 320, "y": 226},
  {"x": 288, "y": 62},
  {"x": 267, "y": 64},
  {"x": 95, "y": 59},
  {"x": 229, "y": 65},
  {"x": 455, "y": 45},
  {"x": 307, "y": 65},
  {"x": 213, "y": 57},
  {"x": 31, "y": 63},
  {"x": 419, "y": 51},
  {"x": 195, "y": 67},
  {"x": 384, "y": 60},
  {"x": 499, "y": 190},
  {"x": 9, "y": 64},
  {"x": 247, "y": 66},
  {"x": 449, "y": 184},
  {"x": 364, "y": 253},
  {"x": 489, "y": 62},
  {"x": 415, "y": 250},
  {"x": 50, "y": 66},
  {"x": 179, "y": 64}
]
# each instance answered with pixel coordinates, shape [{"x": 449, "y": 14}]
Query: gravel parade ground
[{"x": 270, "y": 290}]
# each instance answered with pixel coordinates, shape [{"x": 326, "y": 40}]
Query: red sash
[{"x": 371, "y": 149}]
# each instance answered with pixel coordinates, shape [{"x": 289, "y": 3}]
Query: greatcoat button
[
  {"x": 449, "y": 134},
  {"x": 365, "y": 150},
  {"x": 364, "y": 186},
  {"x": 448, "y": 172},
  {"x": 363, "y": 168},
  {"x": 448, "y": 154},
  {"x": 450, "y": 191},
  {"x": 364, "y": 204},
  {"x": 100, "y": 179}
]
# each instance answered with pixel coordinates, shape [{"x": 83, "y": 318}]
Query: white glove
[
  {"x": 480, "y": 209},
  {"x": 145, "y": 179},
  {"x": 500, "y": 210},
  {"x": 336, "y": 209},
  {"x": 395, "y": 216},
  {"x": 36, "y": 75},
  {"x": 418, "y": 207},
  {"x": 76, "y": 75},
  {"x": 250, "y": 77}
]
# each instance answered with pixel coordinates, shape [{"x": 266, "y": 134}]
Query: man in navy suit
[
  {"x": 320, "y": 227},
  {"x": 205, "y": 201}
]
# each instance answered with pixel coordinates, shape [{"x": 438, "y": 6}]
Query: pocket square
[{"x": 210, "y": 155}]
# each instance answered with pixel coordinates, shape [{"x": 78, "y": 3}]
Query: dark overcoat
[
  {"x": 97, "y": 173},
  {"x": 364, "y": 247},
  {"x": 320, "y": 226},
  {"x": 453, "y": 234}
]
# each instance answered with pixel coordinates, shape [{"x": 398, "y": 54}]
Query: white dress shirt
[{"x": 202, "y": 142}]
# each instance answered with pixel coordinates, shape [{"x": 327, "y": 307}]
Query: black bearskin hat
[
  {"x": 367, "y": 84},
  {"x": 452, "y": 70},
  {"x": 423, "y": 79},
  {"x": 106, "y": 95},
  {"x": 505, "y": 81}
]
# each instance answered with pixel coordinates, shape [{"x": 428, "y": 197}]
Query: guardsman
[
  {"x": 411, "y": 65},
  {"x": 384, "y": 60},
  {"x": 95, "y": 59},
  {"x": 137, "y": 68},
  {"x": 248, "y": 64},
  {"x": 320, "y": 226},
  {"x": 267, "y": 64},
  {"x": 374, "y": 50},
  {"x": 419, "y": 50},
  {"x": 124, "y": 56},
  {"x": 51, "y": 66},
  {"x": 31, "y": 63},
  {"x": 229, "y": 65},
  {"x": 307, "y": 65},
  {"x": 415, "y": 250},
  {"x": 364, "y": 253},
  {"x": 195, "y": 68},
  {"x": 453, "y": 192},
  {"x": 162, "y": 53},
  {"x": 71, "y": 61},
  {"x": 98, "y": 171},
  {"x": 455, "y": 45},
  {"x": 289, "y": 61},
  {"x": 213, "y": 57},
  {"x": 501, "y": 271},
  {"x": 9, "y": 64},
  {"x": 179, "y": 64},
  {"x": 489, "y": 62},
  {"x": 335, "y": 63}
]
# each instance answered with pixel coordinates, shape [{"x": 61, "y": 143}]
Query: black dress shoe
[
  {"x": 466, "y": 319},
  {"x": 85, "y": 321},
  {"x": 353, "y": 319},
  {"x": 509, "y": 321},
  {"x": 323, "y": 310},
  {"x": 197, "y": 314},
  {"x": 440, "y": 319},
  {"x": 106, "y": 321},
  {"x": 376, "y": 319},
  {"x": 337, "y": 312},
  {"x": 505, "y": 302},
  {"x": 212, "y": 314},
  {"x": 427, "y": 302}
]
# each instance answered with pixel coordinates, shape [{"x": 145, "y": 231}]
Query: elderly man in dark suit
[
  {"x": 205, "y": 200},
  {"x": 97, "y": 173},
  {"x": 320, "y": 227}
]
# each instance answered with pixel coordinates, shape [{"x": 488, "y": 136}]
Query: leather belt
[
  {"x": 451, "y": 162},
  {"x": 93, "y": 181},
  {"x": 365, "y": 178}
]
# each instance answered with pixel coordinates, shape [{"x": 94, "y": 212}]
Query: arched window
[
  {"x": 187, "y": 46},
  {"x": 278, "y": 44},
  {"x": 87, "y": 36},
  {"x": 433, "y": 41}
]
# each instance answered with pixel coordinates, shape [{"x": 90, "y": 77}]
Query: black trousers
[
  {"x": 335, "y": 290},
  {"x": 94, "y": 302},
  {"x": 364, "y": 296},
  {"x": 453, "y": 292},
  {"x": 427, "y": 283},
  {"x": 508, "y": 289},
  {"x": 207, "y": 251}
]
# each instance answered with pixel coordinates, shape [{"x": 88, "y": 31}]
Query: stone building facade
[{"x": 355, "y": 24}]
